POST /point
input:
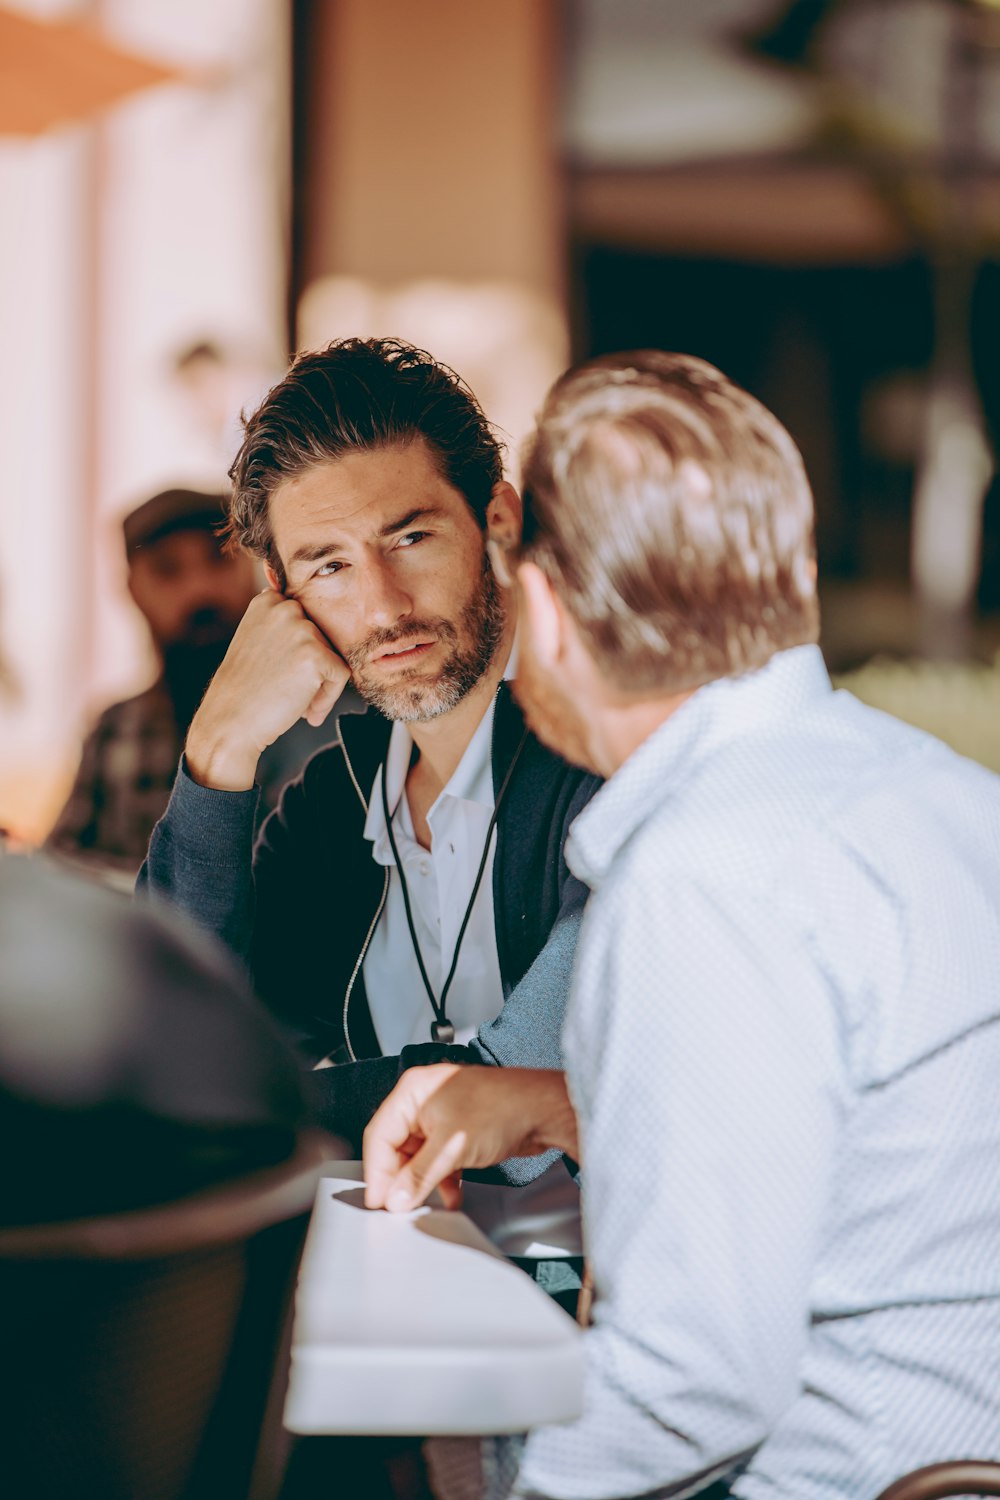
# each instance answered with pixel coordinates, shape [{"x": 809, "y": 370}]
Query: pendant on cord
[{"x": 441, "y": 1028}]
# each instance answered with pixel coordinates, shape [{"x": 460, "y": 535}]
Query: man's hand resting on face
[
  {"x": 442, "y": 1118},
  {"x": 279, "y": 668}
]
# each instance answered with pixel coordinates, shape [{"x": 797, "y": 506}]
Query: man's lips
[{"x": 403, "y": 653}]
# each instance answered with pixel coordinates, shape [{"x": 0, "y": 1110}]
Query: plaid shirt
[{"x": 127, "y": 770}]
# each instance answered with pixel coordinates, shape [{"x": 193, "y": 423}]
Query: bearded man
[
  {"x": 409, "y": 901},
  {"x": 191, "y": 591}
]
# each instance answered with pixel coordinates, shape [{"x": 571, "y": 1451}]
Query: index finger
[
  {"x": 387, "y": 1145},
  {"x": 437, "y": 1164}
]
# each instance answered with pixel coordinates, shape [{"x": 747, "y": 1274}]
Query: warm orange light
[{"x": 53, "y": 73}]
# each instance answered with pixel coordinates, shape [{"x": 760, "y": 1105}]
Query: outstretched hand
[{"x": 443, "y": 1118}]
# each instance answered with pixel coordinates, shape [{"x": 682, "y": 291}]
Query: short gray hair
[{"x": 672, "y": 513}]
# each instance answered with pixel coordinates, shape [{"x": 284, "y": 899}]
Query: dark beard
[
  {"x": 192, "y": 660},
  {"x": 409, "y": 699}
]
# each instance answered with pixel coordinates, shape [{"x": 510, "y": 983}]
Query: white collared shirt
[
  {"x": 440, "y": 881},
  {"x": 783, "y": 1045},
  {"x": 543, "y": 1218}
]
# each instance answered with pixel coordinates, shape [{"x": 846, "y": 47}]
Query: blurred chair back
[
  {"x": 145, "y": 1353},
  {"x": 938, "y": 1481}
]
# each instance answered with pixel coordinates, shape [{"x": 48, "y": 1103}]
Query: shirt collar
[
  {"x": 658, "y": 770},
  {"x": 471, "y": 780}
]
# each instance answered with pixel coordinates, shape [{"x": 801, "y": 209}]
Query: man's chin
[
  {"x": 422, "y": 691},
  {"x": 410, "y": 698}
]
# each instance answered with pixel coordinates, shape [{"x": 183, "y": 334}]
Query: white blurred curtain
[{"x": 121, "y": 241}]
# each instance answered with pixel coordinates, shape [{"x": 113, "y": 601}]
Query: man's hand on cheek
[
  {"x": 441, "y": 1119},
  {"x": 279, "y": 668}
]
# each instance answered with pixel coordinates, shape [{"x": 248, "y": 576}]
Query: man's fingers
[
  {"x": 323, "y": 702},
  {"x": 388, "y": 1146},
  {"x": 410, "y": 1147},
  {"x": 437, "y": 1162},
  {"x": 397, "y": 1137},
  {"x": 450, "y": 1189}
]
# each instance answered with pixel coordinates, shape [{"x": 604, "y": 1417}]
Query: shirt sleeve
[
  {"x": 702, "y": 1058},
  {"x": 200, "y": 858},
  {"x": 74, "y": 828},
  {"x": 527, "y": 1032}
]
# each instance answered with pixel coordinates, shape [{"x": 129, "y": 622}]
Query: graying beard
[
  {"x": 413, "y": 707},
  {"x": 484, "y": 621}
]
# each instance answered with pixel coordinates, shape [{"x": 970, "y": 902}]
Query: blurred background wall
[{"x": 804, "y": 191}]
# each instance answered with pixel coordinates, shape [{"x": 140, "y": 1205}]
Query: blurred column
[
  {"x": 44, "y": 546},
  {"x": 161, "y": 225},
  {"x": 193, "y": 242},
  {"x": 433, "y": 197},
  {"x": 957, "y": 463}
]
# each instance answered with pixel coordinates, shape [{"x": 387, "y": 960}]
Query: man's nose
[
  {"x": 386, "y": 601},
  {"x": 201, "y": 584},
  {"x": 210, "y": 587}
]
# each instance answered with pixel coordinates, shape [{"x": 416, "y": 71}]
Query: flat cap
[{"x": 171, "y": 510}]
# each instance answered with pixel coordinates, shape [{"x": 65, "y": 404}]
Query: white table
[{"x": 416, "y": 1324}]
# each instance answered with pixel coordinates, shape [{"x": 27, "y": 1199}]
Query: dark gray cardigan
[{"x": 300, "y": 912}]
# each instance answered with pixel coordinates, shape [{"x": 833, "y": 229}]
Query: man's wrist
[
  {"x": 213, "y": 763},
  {"x": 555, "y": 1124}
]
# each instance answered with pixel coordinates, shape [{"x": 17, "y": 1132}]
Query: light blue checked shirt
[{"x": 784, "y": 1048}]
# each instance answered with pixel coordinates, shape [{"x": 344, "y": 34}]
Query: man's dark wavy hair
[{"x": 358, "y": 395}]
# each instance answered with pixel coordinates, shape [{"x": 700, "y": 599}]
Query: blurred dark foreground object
[
  {"x": 134, "y": 1066},
  {"x": 146, "y": 1352},
  {"x": 149, "y": 1107}
]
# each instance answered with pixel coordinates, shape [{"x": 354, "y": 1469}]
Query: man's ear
[
  {"x": 272, "y": 579},
  {"x": 503, "y": 516},
  {"x": 542, "y": 615}
]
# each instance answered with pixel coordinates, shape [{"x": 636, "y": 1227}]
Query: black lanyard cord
[{"x": 441, "y": 1028}]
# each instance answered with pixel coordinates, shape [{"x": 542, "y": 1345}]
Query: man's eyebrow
[
  {"x": 311, "y": 552},
  {"x": 422, "y": 513}
]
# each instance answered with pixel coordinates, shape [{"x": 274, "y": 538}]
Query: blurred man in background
[
  {"x": 782, "y": 1041},
  {"x": 192, "y": 592}
]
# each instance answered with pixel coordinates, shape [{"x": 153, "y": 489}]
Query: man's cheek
[
  {"x": 329, "y": 628},
  {"x": 533, "y": 693},
  {"x": 550, "y": 713},
  {"x": 525, "y": 683}
]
